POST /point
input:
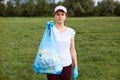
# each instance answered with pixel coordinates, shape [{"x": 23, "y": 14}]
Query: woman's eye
[
  {"x": 62, "y": 14},
  {"x": 58, "y": 14}
]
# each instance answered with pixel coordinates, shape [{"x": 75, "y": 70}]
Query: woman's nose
[{"x": 60, "y": 15}]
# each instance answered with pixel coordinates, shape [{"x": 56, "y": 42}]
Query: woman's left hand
[{"x": 75, "y": 73}]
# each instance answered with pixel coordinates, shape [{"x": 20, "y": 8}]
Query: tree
[
  {"x": 88, "y": 7},
  {"x": 41, "y": 8},
  {"x": 18, "y": 8},
  {"x": 117, "y": 9},
  {"x": 29, "y": 8},
  {"x": 80, "y": 7},
  {"x": 2, "y": 8},
  {"x": 106, "y": 7},
  {"x": 9, "y": 10}
]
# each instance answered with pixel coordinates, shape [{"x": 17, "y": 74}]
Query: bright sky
[
  {"x": 5, "y": 1},
  {"x": 62, "y": 0},
  {"x": 96, "y": 1}
]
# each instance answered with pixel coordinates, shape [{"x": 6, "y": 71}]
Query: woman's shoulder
[{"x": 71, "y": 29}]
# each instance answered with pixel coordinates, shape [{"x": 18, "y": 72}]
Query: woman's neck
[{"x": 61, "y": 27}]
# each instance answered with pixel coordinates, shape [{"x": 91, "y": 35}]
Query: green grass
[{"x": 97, "y": 44}]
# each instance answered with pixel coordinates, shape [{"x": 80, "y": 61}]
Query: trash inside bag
[{"x": 47, "y": 58}]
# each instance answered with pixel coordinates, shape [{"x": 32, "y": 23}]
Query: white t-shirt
[{"x": 64, "y": 41}]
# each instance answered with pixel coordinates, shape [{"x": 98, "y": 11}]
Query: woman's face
[{"x": 60, "y": 16}]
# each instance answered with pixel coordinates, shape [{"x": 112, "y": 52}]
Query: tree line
[{"x": 76, "y": 8}]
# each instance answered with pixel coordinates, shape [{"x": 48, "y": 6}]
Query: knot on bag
[{"x": 49, "y": 24}]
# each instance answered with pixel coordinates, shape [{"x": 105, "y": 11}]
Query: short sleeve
[{"x": 72, "y": 32}]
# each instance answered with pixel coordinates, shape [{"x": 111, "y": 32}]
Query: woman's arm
[{"x": 73, "y": 52}]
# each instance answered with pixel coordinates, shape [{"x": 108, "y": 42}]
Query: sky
[
  {"x": 96, "y": 1},
  {"x": 62, "y": 0}
]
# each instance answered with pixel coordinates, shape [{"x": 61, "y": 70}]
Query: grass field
[{"x": 97, "y": 44}]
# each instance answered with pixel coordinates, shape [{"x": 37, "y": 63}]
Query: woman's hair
[{"x": 65, "y": 20}]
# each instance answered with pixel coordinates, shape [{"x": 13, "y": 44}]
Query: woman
[{"x": 65, "y": 38}]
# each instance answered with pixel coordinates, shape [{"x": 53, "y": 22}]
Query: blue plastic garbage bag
[{"x": 47, "y": 58}]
